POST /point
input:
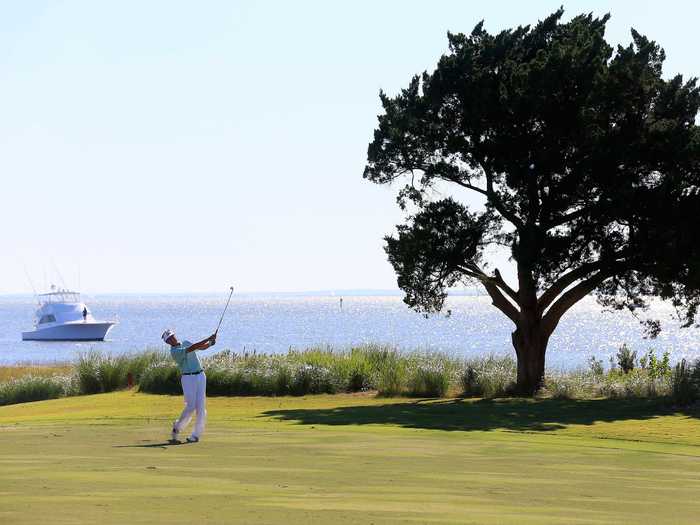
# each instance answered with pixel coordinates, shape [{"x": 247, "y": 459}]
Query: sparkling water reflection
[{"x": 276, "y": 323}]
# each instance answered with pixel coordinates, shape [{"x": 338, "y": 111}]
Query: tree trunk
[{"x": 530, "y": 342}]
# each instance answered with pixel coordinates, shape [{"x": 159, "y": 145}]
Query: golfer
[{"x": 194, "y": 383}]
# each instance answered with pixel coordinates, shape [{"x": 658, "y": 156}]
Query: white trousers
[{"x": 195, "y": 390}]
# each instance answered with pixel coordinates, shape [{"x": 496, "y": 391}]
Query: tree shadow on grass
[{"x": 488, "y": 414}]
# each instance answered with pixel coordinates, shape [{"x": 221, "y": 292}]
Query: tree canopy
[{"x": 588, "y": 163}]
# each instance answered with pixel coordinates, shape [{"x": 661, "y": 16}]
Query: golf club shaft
[{"x": 222, "y": 313}]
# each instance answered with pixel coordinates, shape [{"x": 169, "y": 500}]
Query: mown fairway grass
[{"x": 349, "y": 459}]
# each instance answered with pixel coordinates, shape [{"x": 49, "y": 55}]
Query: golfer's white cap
[{"x": 167, "y": 334}]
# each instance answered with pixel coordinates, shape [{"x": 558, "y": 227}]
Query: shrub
[
  {"x": 98, "y": 373},
  {"x": 686, "y": 383},
  {"x": 225, "y": 382},
  {"x": 489, "y": 377},
  {"x": 87, "y": 372},
  {"x": 426, "y": 381},
  {"x": 316, "y": 370},
  {"x": 161, "y": 378},
  {"x": 636, "y": 383},
  {"x": 431, "y": 375},
  {"x": 640, "y": 385},
  {"x": 282, "y": 380},
  {"x": 362, "y": 373},
  {"x": 323, "y": 370},
  {"x": 571, "y": 385},
  {"x": 35, "y": 388},
  {"x": 139, "y": 362},
  {"x": 659, "y": 368},
  {"x": 242, "y": 381},
  {"x": 626, "y": 358},
  {"x": 595, "y": 366},
  {"x": 369, "y": 367},
  {"x": 391, "y": 374},
  {"x": 112, "y": 373}
]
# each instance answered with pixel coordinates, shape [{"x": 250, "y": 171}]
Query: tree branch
[
  {"x": 451, "y": 178},
  {"x": 608, "y": 264},
  {"x": 571, "y": 297},
  {"x": 468, "y": 186},
  {"x": 500, "y": 302},
  {"x": 568, "y": 217},
  {"x": 474, "y": 271},
  {"x": 498, "y": 203},
  {"x": 564, "y": 282},
  {"x": 497, "y": 298},
  {"x": 504, "y": 286}
]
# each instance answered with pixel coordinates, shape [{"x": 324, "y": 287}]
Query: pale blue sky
[{"x": 182, "y": 146}]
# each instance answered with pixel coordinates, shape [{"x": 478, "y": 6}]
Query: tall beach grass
[
  {"x": 381, "y": 369},
  {"x": 320, "y": 370},
  {"x": 97, "y": 372},
  {"x": 36, "y": 388},
  {"x": 20, "y": 370}
]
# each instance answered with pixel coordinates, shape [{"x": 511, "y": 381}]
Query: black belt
[{"x": 192, "y": 373}]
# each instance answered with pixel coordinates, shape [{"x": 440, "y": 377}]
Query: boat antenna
[
  {"x": 31, "y": 283},
  {"x": 58, "y": 272}
]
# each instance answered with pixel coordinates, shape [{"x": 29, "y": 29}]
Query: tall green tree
[{"x": 588, "y": 163}]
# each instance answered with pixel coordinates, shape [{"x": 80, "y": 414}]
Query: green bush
[
  {"x": 569, "y": 385},
  {"x": 641, "y": 385},
  {"x": 368, "y": 367},
  {"x": 224, "y": 382},
  {"x": 112, "y": 373},
  {"x": 626, "y": 358},
  {"x": 240, "y": 382},
  {"x": 657, "y": 368},
  {"x": 596, "y": 366},
  {"x": 686, "y": 383},
  {"x": 489, "y": 377},
  {"x": 391, "y": 374},
  {"x": 426, "y": 381},
  {"x": 282, "y": 380},
  {"x": 35, "y": 388},
  {"x": 431, "y": 375},
  {"x": 98, "y": 373},
  {"x": 313, "y": 371},
  {"x": 161, "y": 378},
  {"x": 312, "y": 379},
  {"x": 324, "y": 370},
  {"x": 360, "y": 376},
  {"x": 87, "y": 371}
]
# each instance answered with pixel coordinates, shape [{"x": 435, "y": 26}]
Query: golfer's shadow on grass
[
  {"x": 164, "y": 444},
  {"x": 516, "y": 414}
]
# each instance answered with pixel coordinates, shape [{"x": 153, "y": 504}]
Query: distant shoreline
[{"x": 310, "y": 293}]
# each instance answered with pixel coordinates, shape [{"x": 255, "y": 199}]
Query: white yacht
[{"x": 62, "y": 316}]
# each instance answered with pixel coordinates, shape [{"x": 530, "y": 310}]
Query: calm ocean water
[{"x": 276, "y": 323}]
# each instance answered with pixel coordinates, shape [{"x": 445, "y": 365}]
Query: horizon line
[{"x": 317, "y": 292}]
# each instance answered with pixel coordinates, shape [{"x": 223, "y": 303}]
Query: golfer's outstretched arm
[{"x": 203, "y": 344}]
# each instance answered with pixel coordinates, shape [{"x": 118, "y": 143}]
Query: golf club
[{"x": 222, "y": 313}]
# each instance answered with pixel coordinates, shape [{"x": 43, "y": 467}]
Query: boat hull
[{"x": 80, "y": 331}]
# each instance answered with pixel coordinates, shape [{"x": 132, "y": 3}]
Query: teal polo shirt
[{"x": 187, "y": 362}]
